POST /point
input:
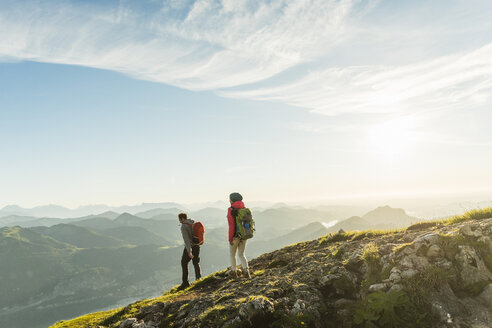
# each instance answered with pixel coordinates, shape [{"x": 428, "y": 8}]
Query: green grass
[
  {"x": 115, "y": 316},
  {"x": 397, "y": 249},
  {"x": 215, "y": 315},
  {"x": 207, "y": 280},
  {"x": 408, "y": 308},
  {"x": 476, "y": 214},
  {"x": 423, "y": 225},
  {"x": 338, "y": 254},
  {"x": 355, "y": 235},
  {"x": 388, "y": 310},
  {"x": 371, "y": 256},
  {"x": 88, "y": 320}
]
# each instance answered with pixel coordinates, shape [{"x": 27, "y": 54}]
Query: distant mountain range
[
  {"x": 56, "y": 268},
  {"x": 63, "y": 212},
  {"x": 148, "y": 210}
]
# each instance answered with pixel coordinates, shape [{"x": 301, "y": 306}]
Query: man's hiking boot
[{"x": 184, "y": 285}]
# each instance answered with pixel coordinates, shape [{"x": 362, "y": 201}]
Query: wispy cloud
[
  {"x": 445, "y": 82},
  {"x": 235, "y": 47},
  {"x": 201, "y": 44}
]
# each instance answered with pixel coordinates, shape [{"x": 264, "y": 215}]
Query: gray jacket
[{"x": 187, "y": 232}]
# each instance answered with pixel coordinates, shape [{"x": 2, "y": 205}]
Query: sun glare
[{"x": 391, "y": 139}]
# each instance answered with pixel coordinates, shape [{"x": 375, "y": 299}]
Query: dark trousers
[{"x": 195, "y": 250}]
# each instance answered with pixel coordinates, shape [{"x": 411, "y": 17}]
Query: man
[{"x": 191, "y": 250}]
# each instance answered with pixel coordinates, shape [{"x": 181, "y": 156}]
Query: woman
[{"x": 236, "y": 244}]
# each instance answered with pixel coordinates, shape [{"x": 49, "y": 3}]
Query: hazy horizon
[
  {"x": 423, "y": 206},
  {"x": 473, "y": 196}
]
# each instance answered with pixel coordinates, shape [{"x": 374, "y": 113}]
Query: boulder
[
  {"x": 297, "y": 308},
  {"x": 434, "y": 251},
  {"x": 378, "y": 287},
  {"x": 257, "y": 307},
  {"x": 472, "y": 268},
  {"x": 395, "y": 275},
  {"x": 128, "y": 323},
  {"x": 471, "y": 230},
  {"x": 486, "y": 296},
  {"x": 395, "y": 288}
]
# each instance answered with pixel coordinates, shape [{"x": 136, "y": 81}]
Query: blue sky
[{"x": 123, "y": 102}]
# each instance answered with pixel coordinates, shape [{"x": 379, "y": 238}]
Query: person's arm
[
  {"x": 187, "y": 238},
  {"x": 232, "y": 225}
]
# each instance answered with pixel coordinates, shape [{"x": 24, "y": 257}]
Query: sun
[{"x": 392, "y": 139}]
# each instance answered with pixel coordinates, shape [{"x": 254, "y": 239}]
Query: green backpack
[{"x": 245, "y": 225}]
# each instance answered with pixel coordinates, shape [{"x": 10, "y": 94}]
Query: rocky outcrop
[{"x": 439, "y": 275}]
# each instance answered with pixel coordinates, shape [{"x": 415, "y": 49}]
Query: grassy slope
[{"x": 111, "y": 317}]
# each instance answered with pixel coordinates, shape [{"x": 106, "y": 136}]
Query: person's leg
[
  {"x": 185, "y": 259},
  {"x": 232, "y": 253},
  {"x": 240, "y": 252},
  {"x": 244, "y": 261},
  {"x": 195, "y": 250}
]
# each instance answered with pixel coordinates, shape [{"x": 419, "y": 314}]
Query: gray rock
[
  {"x": 378, "y": 287},
  {"x": 442, "y": 313},
  {"x": 343, "y": 303},
  {"x": 182, "y": 312},
  {"x": 444, "y": 264},
  {"x": 245, "y": 309},
  {"x": 429, "y": 238},
  {"x": 420, "y": 262},
  {"x": 434, "y": 251},
  {"x": 471, "y": 230},
  {"x": 486, "y": 296},
  {"x": 414, "y": 262},
  {"x": 472, "y": 267},
  {"x": 406, "y": 262},
  {"x": 408, "y": 273},
  {"x": 395, "y": 275},
  {"x": 140, "y": 325},
  {"x": 258, "y": 306},
  {"x": 263, "y": 304},
  {"x": 128, "y": 323},
  {"x": 487, "y": 241},
  {"x": 395, "y": 288},
  {"x": 326, "y": 280},
  {"x": 299, "y": 305}
]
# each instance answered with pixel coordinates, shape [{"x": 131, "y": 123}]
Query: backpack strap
[{"x": 234, "y": 212}]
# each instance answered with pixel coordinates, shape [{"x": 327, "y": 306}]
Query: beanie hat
[{"x": 235, "y": 196}]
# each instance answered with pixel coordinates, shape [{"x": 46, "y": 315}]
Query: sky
[{"x": 123, "y": 102}]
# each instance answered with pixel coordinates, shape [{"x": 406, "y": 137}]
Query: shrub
[
  {"x": 371, "y": 256},
  {"x": 389, "y": 310}
]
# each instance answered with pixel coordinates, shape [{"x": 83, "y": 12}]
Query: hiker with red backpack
[
  {"x": 193, "y": 237},
  {"x": 241, "y": 228}
]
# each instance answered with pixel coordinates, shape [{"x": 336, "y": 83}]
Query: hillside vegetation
[{"x": 431, "y": 274}]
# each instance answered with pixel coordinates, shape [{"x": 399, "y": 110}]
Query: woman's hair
[{"x": 182, "y": 216}]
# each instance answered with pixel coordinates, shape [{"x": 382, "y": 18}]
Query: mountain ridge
[{"x": 431, "y": 274}]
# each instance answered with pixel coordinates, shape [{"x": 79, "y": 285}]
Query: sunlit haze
[{"x": 120, "y": 102}]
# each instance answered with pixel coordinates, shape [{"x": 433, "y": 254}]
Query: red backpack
[{"x": 198, "y": 232}]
